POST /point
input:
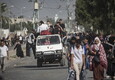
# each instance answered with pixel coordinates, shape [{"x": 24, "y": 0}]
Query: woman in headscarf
[{"x": 98, "y": 68}]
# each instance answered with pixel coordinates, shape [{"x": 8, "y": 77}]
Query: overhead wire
[
  {"x": 19, "y": 8},
  {"x": 43, "y": 3}
]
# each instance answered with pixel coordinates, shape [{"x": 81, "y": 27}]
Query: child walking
[{"x": 3, "y": 55}]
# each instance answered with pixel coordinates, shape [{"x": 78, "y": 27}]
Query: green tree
[
  {"x": 3, "y": 7},
  {"x": 97, "y": 13},
  {"x": 17, "y": 26},
  {"x": 29, "y": 26},
  {"x": 3, "y": 18}
]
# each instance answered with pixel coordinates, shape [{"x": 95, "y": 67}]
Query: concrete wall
[{"x": 4, "y": 33}]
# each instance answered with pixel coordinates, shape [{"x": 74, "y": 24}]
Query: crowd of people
[
  {"x": 17, "y": 41},
  {"x": 83, "y": 50},
  {"x": 44, "y": 29},
  {"x": 5, "y": 45},
  {"x": 91, "y": 51}
]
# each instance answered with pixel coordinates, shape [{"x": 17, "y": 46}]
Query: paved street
[
  {"x": 80, "y": 29},
  {"x": 25, "y": 69}
]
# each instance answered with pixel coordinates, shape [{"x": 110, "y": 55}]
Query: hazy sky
[{"x": 47, "y": 10}]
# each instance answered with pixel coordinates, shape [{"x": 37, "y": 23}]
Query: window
[{"x": 48, "y": 40}]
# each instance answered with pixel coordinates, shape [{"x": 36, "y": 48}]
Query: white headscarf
[{"x": 97, "y": 38}]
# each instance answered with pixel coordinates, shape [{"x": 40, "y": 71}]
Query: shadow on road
[
  {"x": 91, "y": 78},
  {"x": 44, "y": 67},
  {"x": 1, "y": 78}
]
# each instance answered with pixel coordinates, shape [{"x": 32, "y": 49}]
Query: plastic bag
[{"x": 71, "y": 75}]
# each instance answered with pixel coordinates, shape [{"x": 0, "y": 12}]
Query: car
[{"x": 49, "y": 48}]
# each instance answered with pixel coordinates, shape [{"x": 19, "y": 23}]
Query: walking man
[
  {"x": 3, "y": 55},
  {"x": 31, "y": 44},
  {"x": 77, "y": 58}
]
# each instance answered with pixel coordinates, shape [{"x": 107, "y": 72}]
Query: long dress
[
  {"x": 98, "y": 68},
  {"x": 19, "y": 51}
]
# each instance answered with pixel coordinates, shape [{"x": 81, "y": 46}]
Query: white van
[{"x": 49, "y": 48}]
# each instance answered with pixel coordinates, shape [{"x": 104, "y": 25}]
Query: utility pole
[
  {"x": 21, "y": 17},
  {"x": 35, "y": 13},
  {"x": 9, "y": 21},
  {"x": 10, "y": 15},
  {"x": 21, "y": 20},
  {"x": 68, "y": 12}
]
